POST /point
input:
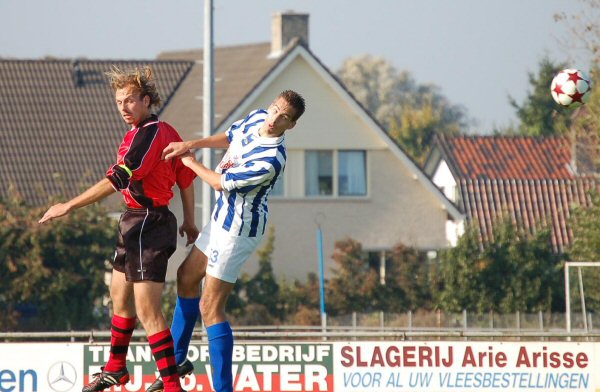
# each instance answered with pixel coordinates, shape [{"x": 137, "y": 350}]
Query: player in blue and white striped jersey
[
  {"x": 255, "y": 158},
  {"x": 248, "y": 171}
]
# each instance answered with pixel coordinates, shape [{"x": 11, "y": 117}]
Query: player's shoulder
[
  {"x": 168, "y": 130},
  {"x": 256, "y": 115}
]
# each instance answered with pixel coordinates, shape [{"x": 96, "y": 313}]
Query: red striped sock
[
  {"x": 121, "y": 331},
  {"x": 161, "y": 344}
]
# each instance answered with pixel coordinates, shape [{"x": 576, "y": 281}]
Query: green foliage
[
  {"x": 417, "y": 126},
  {"x": 407, "y": 277},
  {"x": 52, "y": 275},
  {"x": 408, "y": 111},
  {"x": 585, "y": 128},
  {"x": 585, "y": 223},
  {"x": 263, "y": 288},
  {"x": 515, "y": 271},
  {"x": 539, "y": 115},
  {"x": 584, "y": 30},
  {"x": 354, "y": 284},
  {"x": 301, "y": 301},
  {"x": 255, "y": 299}
]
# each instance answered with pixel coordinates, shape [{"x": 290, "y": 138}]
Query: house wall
[
  {"x": 444, "y": 180},
  {"x": 398, "y": 208}
]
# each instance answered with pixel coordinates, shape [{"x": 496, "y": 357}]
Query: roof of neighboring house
[
  {"x": 507, "y": 157},
  {"x": 60, "y": 129},
  {"x": 237, "y": 71},
  {"x": 527, "y": 202}
]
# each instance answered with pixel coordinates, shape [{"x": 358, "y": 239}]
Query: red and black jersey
[{"x": 140, "y": 175}]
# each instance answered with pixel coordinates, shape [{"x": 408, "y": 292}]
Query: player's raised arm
[
  {"x": 175, "y": 149},
  {"x": 207, "y": 175},
  {"x": 96, "y": 192}
]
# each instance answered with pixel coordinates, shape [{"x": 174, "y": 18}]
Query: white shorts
[{"x": 226, "y": 253}]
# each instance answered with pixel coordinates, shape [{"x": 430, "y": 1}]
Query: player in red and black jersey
[{"x": 147, "y": 229}]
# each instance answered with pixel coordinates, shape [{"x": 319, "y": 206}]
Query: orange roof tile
[
  {"x": 507, "y": 157},
  {"x": 528, "y": 203}
]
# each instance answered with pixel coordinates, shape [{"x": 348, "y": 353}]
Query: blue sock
[
  {"x": 220, "y": 348},
  {"x": 184, "y": 319}
]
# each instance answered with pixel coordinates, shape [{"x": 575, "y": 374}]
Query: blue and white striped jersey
[{"x": 250, "y": 166}]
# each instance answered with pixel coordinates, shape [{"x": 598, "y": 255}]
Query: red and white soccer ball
[{"x": 571, "y": 88}]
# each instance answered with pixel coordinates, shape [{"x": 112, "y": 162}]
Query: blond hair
[{"x": 140, "y": 79}]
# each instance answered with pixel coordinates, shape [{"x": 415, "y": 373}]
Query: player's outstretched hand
[
  {"x": 175, "y": 149},
  {"x": 55, "y": 211},
  {"x": 190, "y": 231}
]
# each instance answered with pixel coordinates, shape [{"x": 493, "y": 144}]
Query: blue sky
[{"x": 478, "y": 52}]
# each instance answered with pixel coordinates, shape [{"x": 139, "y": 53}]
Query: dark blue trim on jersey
[
  {"x": 219, "y": 205},
  {"x": 230, "y": 210},
  {"x": 256, "y": 150},
  {"x": 245, "y": 175},
  {"x": 248, "y": 126},
  {"x": 235, "y": 126},
  {"x": 248, "y": 117},
  {"x": 243, "y": 223},
  {"x": 282, "y": 151},
  {"x": 256, "y": 203}
]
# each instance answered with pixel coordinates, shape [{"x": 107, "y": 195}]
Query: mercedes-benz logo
[{"x": 62, "y": 376}]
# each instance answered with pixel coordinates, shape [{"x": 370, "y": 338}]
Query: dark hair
[
  {"x": 295, "y": 100},
  {"x": 140, "y": 79}
]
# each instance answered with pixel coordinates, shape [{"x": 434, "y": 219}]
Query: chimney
[{"x": 285, "y": 27}]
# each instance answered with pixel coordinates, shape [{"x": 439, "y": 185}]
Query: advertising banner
[
  {"x": 48, "y": 367},
  {"x": 320, "y": 366},
  {"x": 257, "y": 367},
  {"x": 466, "y": 366}
]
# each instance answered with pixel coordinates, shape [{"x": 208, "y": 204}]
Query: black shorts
[{"x": 147, "y": 238}]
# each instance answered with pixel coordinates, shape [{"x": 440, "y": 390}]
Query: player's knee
[
  {"x": 151, "y": 320},
  {"x": 188, "y": 280}
]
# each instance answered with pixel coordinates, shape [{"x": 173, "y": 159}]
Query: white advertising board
[{"x": 320, "y": 366}]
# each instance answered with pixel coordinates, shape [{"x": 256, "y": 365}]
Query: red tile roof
[
  {"x": 528, "y": 203},
  {"x": 507, "y": 157}
]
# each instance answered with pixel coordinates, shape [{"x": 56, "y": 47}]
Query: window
[
  {"x": 380, "y": 261},
  {"x": 319, "y": 173},
  {"x": 352, "y": 173},
  {"x": 335, "y": 173}
]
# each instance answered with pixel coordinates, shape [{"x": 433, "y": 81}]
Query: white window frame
[{"x": 336, "y": 174}]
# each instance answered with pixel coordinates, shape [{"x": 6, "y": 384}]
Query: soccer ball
[{"x": 571, "y": 88}]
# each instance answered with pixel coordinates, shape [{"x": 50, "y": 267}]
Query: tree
[
  {"x": 407, "y": 277},
  {"x": 409, "y": 111},
  {"x": 585, "y": 223},
  {"x": 301, "y": 301},
  {"x": 539, "y": 115},
  {"x": 515, "y": 271},
  {"x": 584, "y": 30},
  {"x": 52, "y": 276},
  {"x": 354, "y": 284},
  {"x": 585, "y": 131},
  {"x": 263, "y": 289},
  {"x": 583, "y": 41}
]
